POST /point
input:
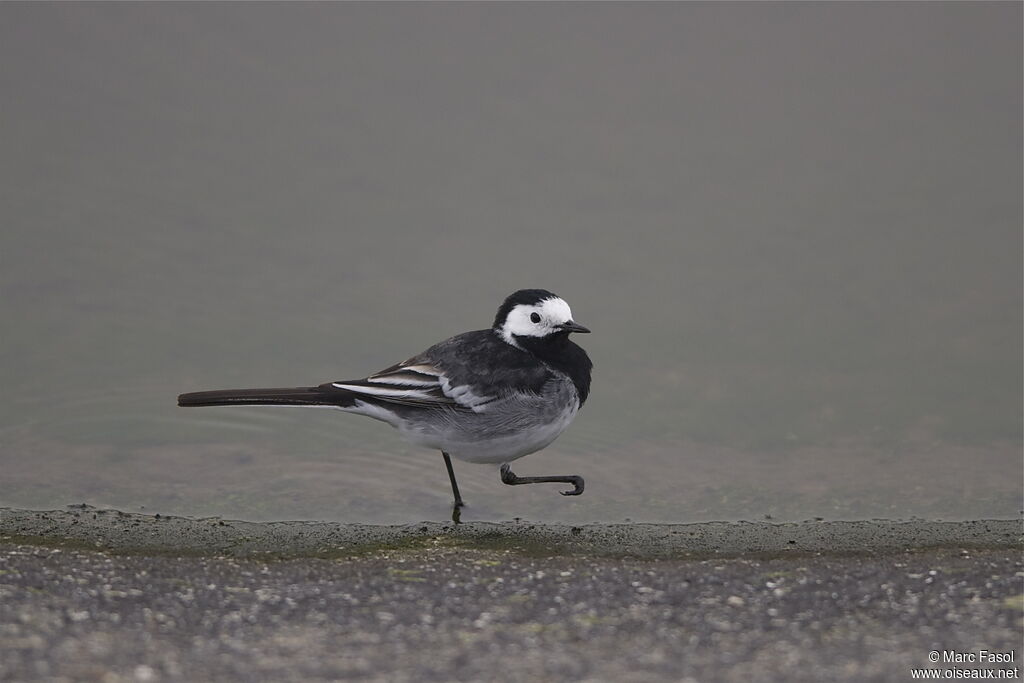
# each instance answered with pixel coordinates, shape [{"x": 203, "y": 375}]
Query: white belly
[{"x": 498, "y": 448}]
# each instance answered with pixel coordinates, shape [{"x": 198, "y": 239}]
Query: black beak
[{"x": 572, "y": 327}]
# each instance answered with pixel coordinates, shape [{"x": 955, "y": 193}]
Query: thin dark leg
[
  {"x": 455, "y": 488},
  {"x": 508, "y": 477}
]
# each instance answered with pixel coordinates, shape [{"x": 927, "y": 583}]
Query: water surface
[{"x": 795, "y": 230}]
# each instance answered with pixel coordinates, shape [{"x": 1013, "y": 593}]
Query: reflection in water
[{"x": 801, "y": 258}]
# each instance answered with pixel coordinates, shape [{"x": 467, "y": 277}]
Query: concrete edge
[{"x": 122, "y": 532}]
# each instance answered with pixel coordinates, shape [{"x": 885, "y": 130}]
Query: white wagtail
[{"x": 488, "y": 396}]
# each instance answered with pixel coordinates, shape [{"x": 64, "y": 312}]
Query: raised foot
[
  {"x": 510, "y": 478},
  {"x": 577, "y": 482}
]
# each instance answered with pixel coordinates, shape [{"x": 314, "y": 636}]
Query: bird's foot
[
  {"x": 510, "y": 478},
  {"x": 457, "y": 511},
  {"x": 577, "y": 483}
]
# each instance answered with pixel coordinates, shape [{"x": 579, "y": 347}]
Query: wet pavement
[{"x": 432, "y": 606}]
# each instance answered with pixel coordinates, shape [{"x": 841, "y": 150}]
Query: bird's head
[{"x": 534, "y": 315}]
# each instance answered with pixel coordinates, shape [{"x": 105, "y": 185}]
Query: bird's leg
[
  {"x": 510, "y": 478},
  {"x": 456, "y": 507}
]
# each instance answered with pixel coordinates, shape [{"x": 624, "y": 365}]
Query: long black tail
[{"x": 297, "y": 396}]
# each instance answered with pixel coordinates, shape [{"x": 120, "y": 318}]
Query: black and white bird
[{"x": 487, "y": 396}]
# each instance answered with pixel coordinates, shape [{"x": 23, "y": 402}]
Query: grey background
[{"x": 795, "y": 229}]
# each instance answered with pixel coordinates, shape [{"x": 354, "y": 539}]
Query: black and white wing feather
[{"x": 415, "y": 383}]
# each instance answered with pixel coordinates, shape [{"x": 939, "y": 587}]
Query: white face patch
[{"x": 538, "y": 320}]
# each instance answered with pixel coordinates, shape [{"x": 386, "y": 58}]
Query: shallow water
[{"x": 794, "y": 229}]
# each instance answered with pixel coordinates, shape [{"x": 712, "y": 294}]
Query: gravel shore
[{"x": 105, "y": 596}]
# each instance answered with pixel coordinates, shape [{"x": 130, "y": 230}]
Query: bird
[{"x": 486, "y": 396}]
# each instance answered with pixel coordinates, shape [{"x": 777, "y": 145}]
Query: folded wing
[{"x": 416, "y": 383}]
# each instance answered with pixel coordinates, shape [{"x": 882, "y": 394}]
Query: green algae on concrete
[{"x": 116, "y": 531}]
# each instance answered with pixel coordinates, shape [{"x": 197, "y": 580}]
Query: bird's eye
[{"x": 535, "y": 317}]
